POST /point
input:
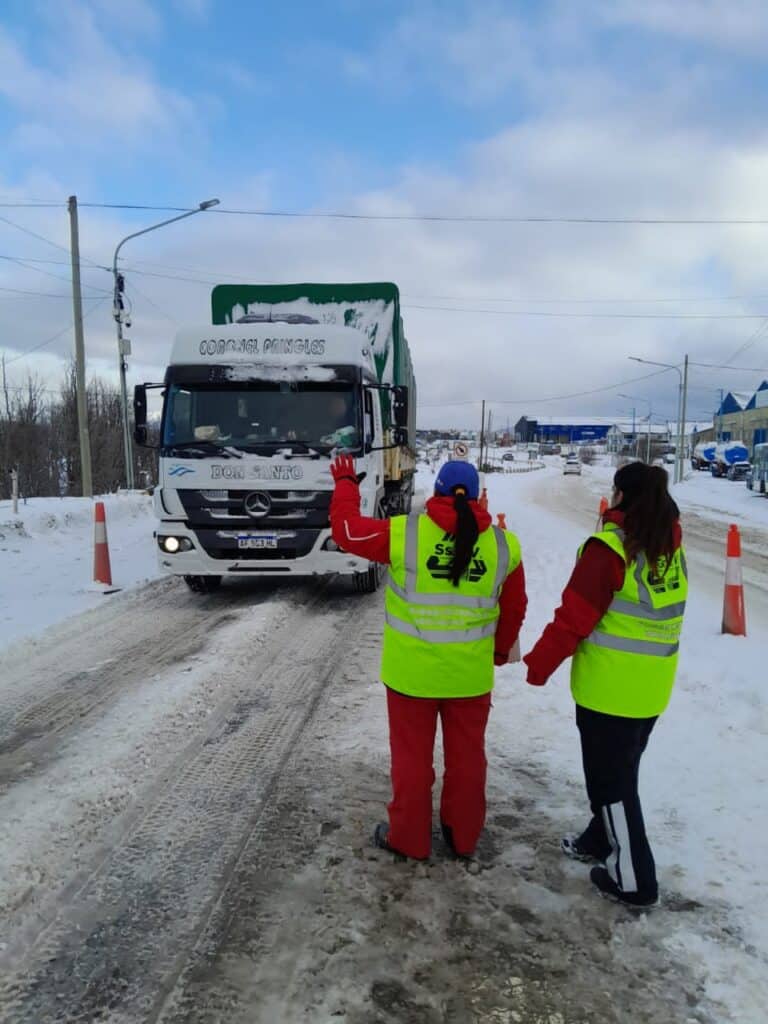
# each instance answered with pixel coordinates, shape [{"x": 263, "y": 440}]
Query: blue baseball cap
[{"x": 458, "y": 473}]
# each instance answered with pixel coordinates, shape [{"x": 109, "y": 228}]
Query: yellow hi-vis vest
[
  {"x": 626, "y": 666},
  {"x": 439, "y": 639}
]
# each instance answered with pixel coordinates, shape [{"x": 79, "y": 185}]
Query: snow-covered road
[{"x": 188, "y": 785}]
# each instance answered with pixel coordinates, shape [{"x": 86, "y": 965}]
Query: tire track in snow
[{"x": 121, "y": 937}]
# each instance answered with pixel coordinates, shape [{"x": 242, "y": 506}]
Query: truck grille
[{"x": 227, "y": 509}]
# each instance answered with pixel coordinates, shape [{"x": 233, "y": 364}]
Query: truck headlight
[{"x": 172, "y": 545}]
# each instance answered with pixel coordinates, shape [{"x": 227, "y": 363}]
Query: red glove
[
  {"x": 500, "y": 659},
  {"x": 534, "y": 678},
  {"x": 343, "y": 468}
]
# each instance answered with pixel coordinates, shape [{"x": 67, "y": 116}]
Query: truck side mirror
[
  {"x": 140, "y": 414},
  {"x": 400, "y": 406},
  {"x": 140, "y": 431}
]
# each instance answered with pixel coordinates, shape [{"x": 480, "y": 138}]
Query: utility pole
[
  {"x": 482, "y": 436},
  {"x": 77, "y": 307},
  {"x": 683, "y": 410}
]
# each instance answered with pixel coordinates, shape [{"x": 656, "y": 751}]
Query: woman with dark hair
[
  {"x": 621, "y": 618},
  {"x": 455, "y": 601}
]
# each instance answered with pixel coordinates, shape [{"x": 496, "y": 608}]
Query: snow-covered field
[{"x": 46, "y": 558}]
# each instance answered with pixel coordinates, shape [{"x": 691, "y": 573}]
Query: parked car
[
  {"x": 572, "y": 465},
  {"x": 508, "y": 457},
  {"x": 739, "y": 471}
]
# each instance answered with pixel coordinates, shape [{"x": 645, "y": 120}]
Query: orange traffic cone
[
  {"x": 501, "y": 520},
  {"x": 483, "y": 500},
  {"x": 102, "y": 571},
  {"x": 601, "y": 512},
  {"x": 734, "y": 614}
]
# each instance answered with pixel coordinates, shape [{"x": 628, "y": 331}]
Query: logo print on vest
[
  {"x": 665, "y": 577},
  {"x": 439, "y": 562}
]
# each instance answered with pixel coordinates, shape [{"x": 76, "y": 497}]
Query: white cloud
[
  {"x": 83, "y": 90},
  {"x": 473, "y": 55},
  {"x": 741, "y": 26}
]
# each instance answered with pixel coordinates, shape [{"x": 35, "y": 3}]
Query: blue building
[{"x": 563, "y": 430}]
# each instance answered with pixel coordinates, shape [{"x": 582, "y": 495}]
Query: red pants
[{"x": 412, "y": 727}]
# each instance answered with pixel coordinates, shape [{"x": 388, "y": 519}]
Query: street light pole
[
  {"x": 681, "y": 404},
  {"x": 123, "y": 344}
]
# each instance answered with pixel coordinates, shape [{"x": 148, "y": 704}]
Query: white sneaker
[{"x": 569, "y": 844}]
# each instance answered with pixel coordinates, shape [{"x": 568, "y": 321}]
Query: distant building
[
  {"x": 742, "y": 416},
  {"x": 563, "y": 430}
]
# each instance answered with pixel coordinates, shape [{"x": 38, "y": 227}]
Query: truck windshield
[{"x": 262, "y": 416}]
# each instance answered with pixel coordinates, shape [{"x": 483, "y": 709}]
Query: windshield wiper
[{"x": 204, "y": 448}]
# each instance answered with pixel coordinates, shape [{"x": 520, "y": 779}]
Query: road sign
[{"x": 460, "y": 450}]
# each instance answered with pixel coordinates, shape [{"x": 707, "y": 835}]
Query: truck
[
  {"x": 255, "y": 407},
  {"x": 726, "y": 455},
  {"x": 703, "y": 455}
]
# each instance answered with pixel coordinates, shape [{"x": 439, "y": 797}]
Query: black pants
[{"x": 611, "y": 749}]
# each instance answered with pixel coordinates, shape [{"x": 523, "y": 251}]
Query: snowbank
[{"x": 46, "y": 558}]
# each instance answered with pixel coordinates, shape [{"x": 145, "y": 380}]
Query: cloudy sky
[{"x": 572, "y": 112}]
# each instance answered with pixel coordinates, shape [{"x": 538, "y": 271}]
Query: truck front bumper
[{"x": 314, "y": 560}]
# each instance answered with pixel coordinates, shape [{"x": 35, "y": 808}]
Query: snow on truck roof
[{"x": 279, "y": 343}]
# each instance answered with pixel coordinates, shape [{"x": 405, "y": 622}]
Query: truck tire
[
  {"x": 203, "y": 584},
  {"x": 368, "y": 582}
]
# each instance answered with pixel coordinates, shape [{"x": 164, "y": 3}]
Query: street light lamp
[
  {"x": 682, "y": 401},
  {"x": 123, "y": 344},
  {"x": 637, "y": 398}
]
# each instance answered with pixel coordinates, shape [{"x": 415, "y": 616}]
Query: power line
[
  {"x": 430, "y": 217},
  {"x": 34, "y": 234},
  {"x": 27, "y": 264},
  {"x": 591, "y": 316},
  {"x": 48, "y": 241},
  {"x": 725, "y": 366},
  {"x": 45, "y": 295},
  {"x": 587, "y": 302},
  {"x": 154, "y": 305},
  {"x": 55, "y": 337},
  {"x": 551, "y": 398}
]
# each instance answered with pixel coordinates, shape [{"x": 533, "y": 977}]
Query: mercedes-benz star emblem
[{"x": 257, "y": 504}]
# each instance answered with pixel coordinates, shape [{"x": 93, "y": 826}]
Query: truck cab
[{"x": 253, "y": 413}]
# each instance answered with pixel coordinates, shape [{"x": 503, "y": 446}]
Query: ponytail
[
  {"x": 466, "y": 536},
  {"x": 650, "y": 513}
]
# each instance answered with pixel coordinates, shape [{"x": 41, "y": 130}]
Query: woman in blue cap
[{"x": 455, "y": 601}]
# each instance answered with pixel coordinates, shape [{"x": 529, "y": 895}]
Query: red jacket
[
  {"x": 598, "y": 574},
  {"x": 369, "y": 538}
]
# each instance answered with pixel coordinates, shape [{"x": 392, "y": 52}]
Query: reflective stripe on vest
[
  {"x": 441, "y": 636},
  {"x": 624, "y": 643}
]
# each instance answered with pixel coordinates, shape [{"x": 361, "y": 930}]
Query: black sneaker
[
  {"x": 607, "y": 886},
  {"x": 572, "y": 848}
]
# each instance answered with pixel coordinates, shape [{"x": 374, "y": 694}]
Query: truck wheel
[
  {"x": 368, "y": 582},
  {"x": 203, "y": 584}
]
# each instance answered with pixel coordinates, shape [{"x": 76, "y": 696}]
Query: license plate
[{"x": 257, "y": 541}]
